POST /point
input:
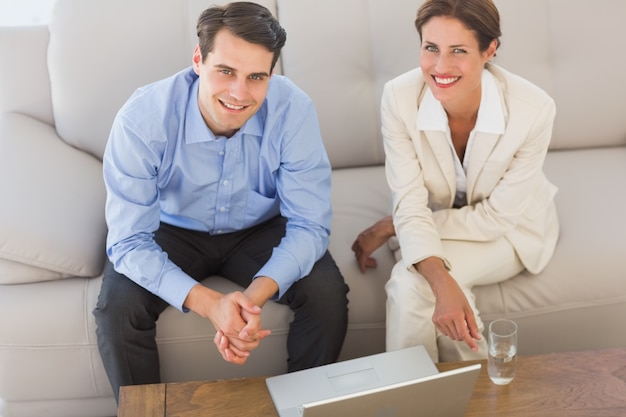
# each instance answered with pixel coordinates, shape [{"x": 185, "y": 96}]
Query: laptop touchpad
[{"x": 361, "y": 377}]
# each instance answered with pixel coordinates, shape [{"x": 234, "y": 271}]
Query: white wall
[{"x": 24, "y": 12}]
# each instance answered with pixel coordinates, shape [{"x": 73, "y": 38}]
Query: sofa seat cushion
[
  {"x": 585, "y": 280},
  {"x": 181, "y": 336},
  {"x": 52, "y": 211},
  {"x": 47, "y": 356},
  {"x": 360, "y": 197}
]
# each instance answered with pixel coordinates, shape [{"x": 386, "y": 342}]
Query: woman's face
[{"x": 452, "y": 62}]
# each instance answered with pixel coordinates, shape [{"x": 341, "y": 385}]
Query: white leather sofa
[{"x": 61, "y": 85}]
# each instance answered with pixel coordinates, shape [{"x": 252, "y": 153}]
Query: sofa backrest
[
  {"x": 341, "y": 53},
  {"x": 571, "y": 48},
  {"x": 100, "y": 51}
]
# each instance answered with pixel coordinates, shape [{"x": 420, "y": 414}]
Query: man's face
[{"x": 234, "y": 79}]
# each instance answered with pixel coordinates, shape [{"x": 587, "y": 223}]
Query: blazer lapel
[
  {"x": 443, "y": 153},
  {"x": 482, "y": 147},
  {"x": 483, "y": 143}
]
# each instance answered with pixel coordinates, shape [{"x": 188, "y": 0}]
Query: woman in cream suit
[{"x": 465, "y": 143}]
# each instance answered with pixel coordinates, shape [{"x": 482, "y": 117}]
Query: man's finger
[{"x": 231, "y": 357}]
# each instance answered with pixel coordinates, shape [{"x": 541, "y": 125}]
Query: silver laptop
[{"x": 402, "y": 383}]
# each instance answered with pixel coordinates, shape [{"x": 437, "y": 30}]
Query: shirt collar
[
  {"x": 490, "y": 119},
  {"x": 196, "y": 129}
]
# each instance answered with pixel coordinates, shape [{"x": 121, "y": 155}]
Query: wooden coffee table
[{"x": 573, "y": 384}]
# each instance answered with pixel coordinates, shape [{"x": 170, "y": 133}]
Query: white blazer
[{"x": 507, "y": 190}]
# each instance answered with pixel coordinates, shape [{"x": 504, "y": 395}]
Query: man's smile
[{"x": 232, "y": 106}]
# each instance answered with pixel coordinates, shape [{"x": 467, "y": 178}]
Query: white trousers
[{"x": 411, "y": 303}]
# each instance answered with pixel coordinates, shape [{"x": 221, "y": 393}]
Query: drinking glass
[{"x": 502, "y": 359}]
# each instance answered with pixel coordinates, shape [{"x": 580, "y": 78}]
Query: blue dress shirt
[{"x": 163, "y": 164}]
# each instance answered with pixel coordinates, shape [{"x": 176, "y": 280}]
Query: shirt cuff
[
  {"x": 175, "y": 288},
  {"x": 283, "y": 269}
]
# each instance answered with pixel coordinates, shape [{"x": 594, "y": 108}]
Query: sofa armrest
[
  {"x": 53, "y": 196},
  {"x": 24, "y": 80}
]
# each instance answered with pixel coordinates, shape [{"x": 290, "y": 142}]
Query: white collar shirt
[{"x": 490, "y": 119}]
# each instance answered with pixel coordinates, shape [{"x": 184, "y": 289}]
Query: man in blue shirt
[{"x": 219, "y": 169}]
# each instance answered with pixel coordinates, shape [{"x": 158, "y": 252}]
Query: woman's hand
[
  {"x": 371, "y": 239},
  {"x": 453, "y": 314}
]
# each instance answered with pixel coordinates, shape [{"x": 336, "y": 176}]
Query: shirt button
[
  {"x": 222, "y": 209},
  {"x": 221, "y": 153},
  {"x": 225, "y": 182}
]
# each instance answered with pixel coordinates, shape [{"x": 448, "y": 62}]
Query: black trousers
[{"x": 126, "y": 313}]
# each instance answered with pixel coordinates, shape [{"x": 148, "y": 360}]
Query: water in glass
[{"x": 501, "y": 363}]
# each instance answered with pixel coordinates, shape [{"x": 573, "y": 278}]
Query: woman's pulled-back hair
[{"x": 479, "y": 16}]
